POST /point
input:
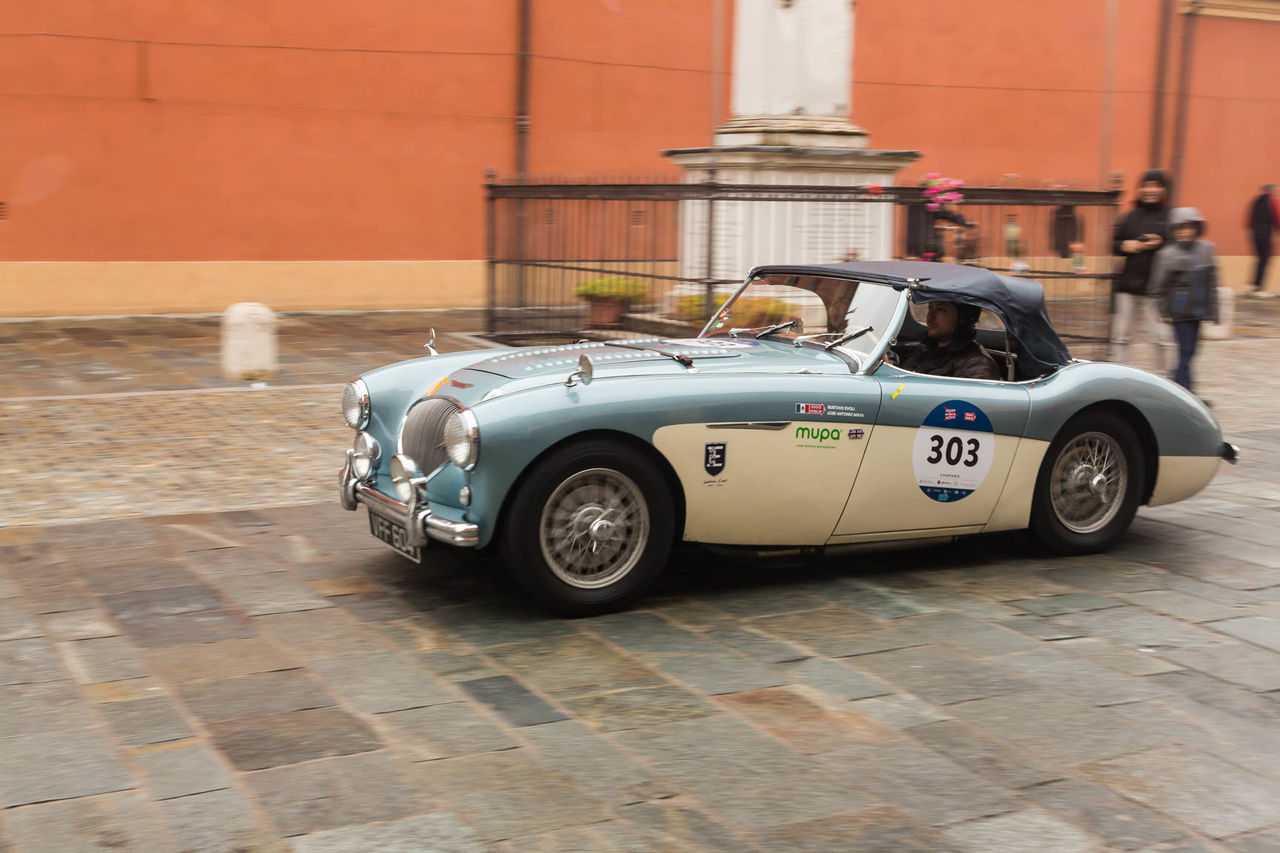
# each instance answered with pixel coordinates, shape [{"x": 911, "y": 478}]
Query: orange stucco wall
[
  {"x": 997, "y": 88},
  {"x": 237, "y": 130},
  {"x": 296, "y": 130}
]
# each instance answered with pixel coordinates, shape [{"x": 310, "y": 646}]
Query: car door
[
  {"x": 781, "y": 478},
  {"x": 938, "y": 458}
]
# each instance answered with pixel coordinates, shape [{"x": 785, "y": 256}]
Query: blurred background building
[{"x": 183, "y": 156}]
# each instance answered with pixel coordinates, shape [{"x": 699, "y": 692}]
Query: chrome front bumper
[{"x": 417, "y": 519}]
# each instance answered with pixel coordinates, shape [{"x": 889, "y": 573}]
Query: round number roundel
[{"x": 953, "y": 450}]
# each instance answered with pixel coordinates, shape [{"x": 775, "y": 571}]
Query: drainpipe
[
  {"x": 522, "y": 149},
  {"x": 522, "y": 93},
  {"x": 1107, "y": 119},
  {"x": 1162, "y": 65},
  {"x": 1184, "y": 93}
]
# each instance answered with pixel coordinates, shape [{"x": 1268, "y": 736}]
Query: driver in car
[{"x": 950, "y": 348}]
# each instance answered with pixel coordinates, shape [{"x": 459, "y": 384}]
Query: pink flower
[
  {"x": 933, "y": 205},
  {"x": 933, "y": 176}
]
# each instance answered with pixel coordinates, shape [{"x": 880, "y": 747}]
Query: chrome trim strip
[
  {"x": 769, "y": 425},
  {"x": 876, "y": 356}
]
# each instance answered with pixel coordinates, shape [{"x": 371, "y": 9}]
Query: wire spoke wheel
[
  {"x": 594, "y": 528},
  {"x": 1088, "y": 482}
]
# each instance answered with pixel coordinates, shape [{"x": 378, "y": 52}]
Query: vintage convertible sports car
[{"x": 583, "y": 463}]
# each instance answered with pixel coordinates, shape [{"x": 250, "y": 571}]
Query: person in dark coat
[
  {"x": 1263, "y": 220},
  {"x": 1184, "y": 278},
  {"x": 950, "y": 348},
  {"x": 1138, "y": 235}
]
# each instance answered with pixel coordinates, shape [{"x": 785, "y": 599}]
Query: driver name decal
[
  {"x": 953, "y": 451},
  {"x": 831, "y": 410}
]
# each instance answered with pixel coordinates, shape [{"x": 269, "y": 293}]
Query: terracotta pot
[{"x": 605, "y": 313}]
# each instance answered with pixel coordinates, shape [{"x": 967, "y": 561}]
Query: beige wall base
[{"x": 47, "y": 289}]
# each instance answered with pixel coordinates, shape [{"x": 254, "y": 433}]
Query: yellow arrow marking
[{"x": 899, "y": 391}]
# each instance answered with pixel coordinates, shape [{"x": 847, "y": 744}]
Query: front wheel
[
  {"x": 1089, "y": 485},
  {"x": 590, "y": 529}
]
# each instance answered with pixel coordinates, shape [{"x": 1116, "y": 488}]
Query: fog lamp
[{"x": 365, "y": 455}]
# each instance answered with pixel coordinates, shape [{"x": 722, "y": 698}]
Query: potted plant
[{"x": 608, "y": 297}]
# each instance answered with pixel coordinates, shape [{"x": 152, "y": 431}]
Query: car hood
[
  {"x": 658, "y": 356},
  {"x": 472, "y": 377}
]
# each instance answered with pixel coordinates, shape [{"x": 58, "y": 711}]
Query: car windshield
[{"x": 809, "y": 309}]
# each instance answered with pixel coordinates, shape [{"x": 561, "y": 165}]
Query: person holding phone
[{"x": 1138, "y": 235}]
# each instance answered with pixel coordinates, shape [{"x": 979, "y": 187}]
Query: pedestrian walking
[
  {"x": 1262, "y": 221},
  {"x": 1137, "y": 236},
  {"x": 1184, "y": 278}
]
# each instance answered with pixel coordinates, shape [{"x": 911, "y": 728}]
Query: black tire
[
  {"x": 1072, "y": 511},
  {"x": 590, "y": 528}
]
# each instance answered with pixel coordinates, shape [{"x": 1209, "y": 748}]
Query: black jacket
[
  {"x": 1135, "y": 275},
  {"x": 965, "y": 359}
]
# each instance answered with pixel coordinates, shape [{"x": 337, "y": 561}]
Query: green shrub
[
  {"x": 746, "y": 313},
  {"x": 615, "y": 287}
]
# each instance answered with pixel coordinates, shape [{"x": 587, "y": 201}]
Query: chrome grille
[{"x": 422, "y": 437}]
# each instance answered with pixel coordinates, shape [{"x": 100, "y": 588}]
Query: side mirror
[{"x": 582, "y": 374}]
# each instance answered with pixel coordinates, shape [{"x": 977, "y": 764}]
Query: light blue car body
[{"x": 524, "y": 408}]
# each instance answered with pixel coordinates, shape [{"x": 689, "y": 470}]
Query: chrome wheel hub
[
  {"x": 1089, "y": 480},
  {"x": 594, "y": 528}
]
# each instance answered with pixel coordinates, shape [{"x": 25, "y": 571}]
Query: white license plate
[{"x": 393, "y": 533}]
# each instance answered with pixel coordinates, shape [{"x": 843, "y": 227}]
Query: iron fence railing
[{"x": 677, "y": 248}]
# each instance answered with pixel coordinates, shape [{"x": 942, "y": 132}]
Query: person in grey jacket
[{"x": 1184, "y": 280}]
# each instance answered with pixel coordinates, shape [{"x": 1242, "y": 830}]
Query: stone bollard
[
  {"x": 1221, "y": 330},
  {"x": 249, "y": 341}
]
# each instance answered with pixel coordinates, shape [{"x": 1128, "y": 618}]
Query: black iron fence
[{"x": 581, "y": 259}]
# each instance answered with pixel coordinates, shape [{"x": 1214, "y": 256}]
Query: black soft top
[{"x": 1018, "y": 302}]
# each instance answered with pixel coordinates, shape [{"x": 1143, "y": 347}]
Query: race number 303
[{"x": 953, "y": 451}]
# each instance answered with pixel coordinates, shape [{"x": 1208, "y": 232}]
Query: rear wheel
[
  {"x": 590, "y": 529},
  {"x": 1089, "y": 485}
]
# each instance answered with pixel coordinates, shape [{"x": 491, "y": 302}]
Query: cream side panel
[
  {"x": 1180, "y": 477},
  {"x": 1013, "y": 512},
  {"x": 775, "y": 489},
  {"x": 887, "y": 496}
]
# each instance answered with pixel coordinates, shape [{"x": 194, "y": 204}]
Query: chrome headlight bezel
[
  {"x": 365, "y": 456},
  {"x": 356, "y": 404},
  {"x": 461, "y": 439},
  {"x": 403, "y": 471}
]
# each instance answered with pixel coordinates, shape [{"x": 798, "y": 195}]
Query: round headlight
[
  {"x": 462, "y": 438},
  {"x": 403, "y": 470},
  {"x": 365, "y": 454},
  {"x": 355, "y": 404}
]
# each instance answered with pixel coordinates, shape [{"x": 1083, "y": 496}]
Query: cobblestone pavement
[{"x": 271, "y": 678}]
